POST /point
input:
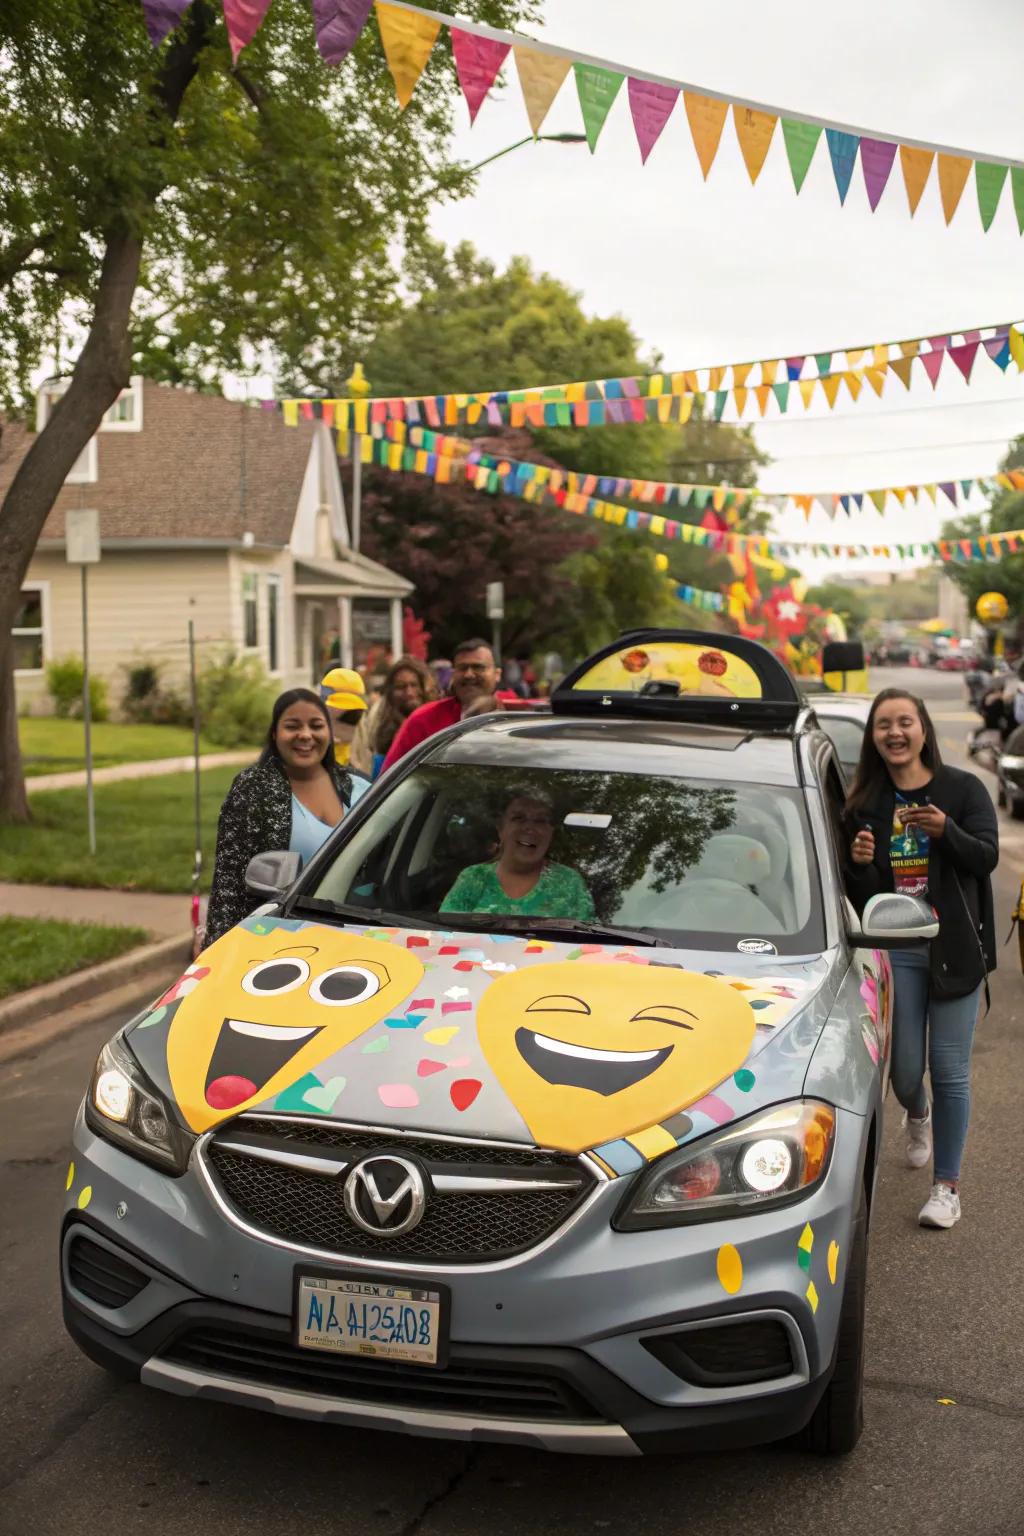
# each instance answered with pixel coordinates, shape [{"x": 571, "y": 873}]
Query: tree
[
  {"x": 849, "y": 603},
  {"x": 170, "y": 209},
  {"x": 1005, "y": 513}
]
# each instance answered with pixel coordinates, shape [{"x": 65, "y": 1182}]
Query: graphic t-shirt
[{"x": 908, "y": 849}]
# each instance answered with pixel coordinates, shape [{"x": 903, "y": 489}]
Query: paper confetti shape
[
  {"x": 833, "y": 1261},
  {"x": 729, "y": 1269},
  {"x": 805, "y": 1243},
  {"x": 812, "y": 1295}
]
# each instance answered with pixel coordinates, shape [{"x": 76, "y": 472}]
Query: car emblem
[{"x": 385, "y": 1195}]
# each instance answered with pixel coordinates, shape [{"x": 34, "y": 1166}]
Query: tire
[{"x": 836, "y": 1424}]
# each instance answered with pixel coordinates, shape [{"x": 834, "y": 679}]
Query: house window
[
  {"x": 250, "y": 611},
  {"x": 125, "y": 415},
  {"x": 274, "y": 623},
  {"x": 27, "y": 631}
]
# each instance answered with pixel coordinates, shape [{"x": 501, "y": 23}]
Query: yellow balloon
[{"x": 992, "y": 607}]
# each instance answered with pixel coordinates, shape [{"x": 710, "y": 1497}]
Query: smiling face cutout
[
  {"x": 272, "y": 1008},
  {"x": 588, "y": 1053}
]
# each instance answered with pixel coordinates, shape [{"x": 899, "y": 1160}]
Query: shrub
[
  {"x": 146, "y": 701},
  {"x": 235, "y": 697},
  {"x": 64, "y": 682}
]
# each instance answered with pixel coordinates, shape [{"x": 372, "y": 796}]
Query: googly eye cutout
[
  {"x": 344, "y": 985},
  {"x": 273, "y": 977}
]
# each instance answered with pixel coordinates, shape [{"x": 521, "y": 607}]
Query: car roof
[{"x": 675, "y": 749}]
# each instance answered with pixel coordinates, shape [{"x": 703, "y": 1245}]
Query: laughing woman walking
[{"x": 919, "y": 827}]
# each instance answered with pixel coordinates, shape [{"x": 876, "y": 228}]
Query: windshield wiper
[
  {"x": 541, "y": 927},
  {"x": 368, "y": 917}
]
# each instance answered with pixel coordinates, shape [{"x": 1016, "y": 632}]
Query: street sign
[
  {"x": 495, "y": 600},
  {"x": 82, "y": 532}
]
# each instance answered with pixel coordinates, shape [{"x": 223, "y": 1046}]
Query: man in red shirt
[{"x": 474, "y": 681}]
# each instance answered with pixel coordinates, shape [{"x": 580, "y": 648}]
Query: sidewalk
[
  {"x": 164, "y": 916},
  {"x": 144, "y": 770}
]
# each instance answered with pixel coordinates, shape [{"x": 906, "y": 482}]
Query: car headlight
[
  {"x": 774, "y": 1157},
  {"x": 123, "y": 1106}
]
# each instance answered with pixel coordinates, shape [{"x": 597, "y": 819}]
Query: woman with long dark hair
[
  {"x": 291, "y": 798},
  {"x": 917, "y": 826},
  {"x": 408, "y": 684}
]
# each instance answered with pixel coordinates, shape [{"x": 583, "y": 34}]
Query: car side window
[{"x": 835, "y": 805}]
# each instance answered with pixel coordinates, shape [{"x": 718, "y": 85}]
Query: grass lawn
[
  {"x": 143, "y": 835},
  {"x": 58, "y": 746},
  {"x": 38, "y": 949}
]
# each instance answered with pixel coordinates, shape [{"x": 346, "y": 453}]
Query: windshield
[{"x": 691, "y": 863}]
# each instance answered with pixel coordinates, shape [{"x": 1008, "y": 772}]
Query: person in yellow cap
[{"x": 344, "y": 693}]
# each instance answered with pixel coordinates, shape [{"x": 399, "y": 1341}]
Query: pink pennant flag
[
  {"x": 964, "y": 358},
  {"x": 933, "y": 365},
  {"x": 337, "y": 24},
  {"x": 939, "y": 342},
  {"x": 876, "y": 160},
  {"x": 162, "y": 16},
  {"x": 243, "y": 18},
  {"x": 994, "y": 345},
  {"x": 477, "y": 61},
  {"x": 651, "y": 106}
]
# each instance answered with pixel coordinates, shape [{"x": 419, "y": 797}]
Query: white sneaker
[
  {"x": 919, "y": 1139},
  {"x": 942, "y": 1208}
]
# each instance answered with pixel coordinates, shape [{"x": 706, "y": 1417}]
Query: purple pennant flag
[
  {"x": 876, "y": 158},
  {"x": 994, "y": 345},
  {"x": 651, "y": 106},
  {"x": 337, "y": 24},
  {"x": 794, "y": 367},
  {"x": 162, "y": 16}
]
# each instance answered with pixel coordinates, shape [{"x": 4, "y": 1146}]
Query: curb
[{"x": 150, "y": 965}]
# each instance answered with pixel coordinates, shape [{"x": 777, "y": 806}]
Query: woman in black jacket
[
  {"x": 292, "y": 798},
  {"x": 931, "y": 831}
]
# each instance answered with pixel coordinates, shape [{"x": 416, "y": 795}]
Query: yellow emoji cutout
[
  {"x": 588, "y": 1053},
  {"x": 273, "y": 1007}
]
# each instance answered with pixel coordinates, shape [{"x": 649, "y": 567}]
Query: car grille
[
  {"x": 458, "y": 1227},
  {"x": 105, "y": 1277},
  {"x": 479, "y": 1390}
]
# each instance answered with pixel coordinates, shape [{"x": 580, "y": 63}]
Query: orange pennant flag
[
  {"x": 901, "y": 367},
  {"x": 754, "y": 131},
  {"x": 706, "y": 118},
  {"x": 408, "y": 37},
  {"x": 763, "y": 393},
  {"x": 830, "y": 384},
  {"x": 540, "y": 79},
  {"x": 740, "y": 397},
  {"x": 804, "y": 503},
  {"x": 876, "y": 378},
  {"x": 953, "y": 173},
  {"x": 910, "y": 348},
  {"x": 692, "y": 382},
  {"x": 916, "y": 165},
  {"x": 715, "y": 377}
]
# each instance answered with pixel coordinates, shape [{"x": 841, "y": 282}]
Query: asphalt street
[{"x": 942, "y": 1451}]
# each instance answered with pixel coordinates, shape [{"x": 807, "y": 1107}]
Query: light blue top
[{"x": 309, "y": 833}]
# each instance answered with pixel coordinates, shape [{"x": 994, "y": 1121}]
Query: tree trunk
[{"x": 101, "y": 372}]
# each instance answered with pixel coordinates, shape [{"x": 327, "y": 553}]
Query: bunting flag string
[
  {"x": 409, "y": 32},
  {"x": 519, "y": 477},
  {"x": 667, "y": 396},
  {"x": 446, "y": 468},
  {"x": 698, "y": 597}
]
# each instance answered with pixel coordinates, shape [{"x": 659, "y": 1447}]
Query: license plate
[{"x": 375, "y": 1318}]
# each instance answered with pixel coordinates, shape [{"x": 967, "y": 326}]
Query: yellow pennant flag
[
  {"x": 856, "y": 357},
  {"x": 768, "y": 372},
  {"x": 290, "y": 412},
  {"x": 715, "y": 377},
  {"x": 876, "y": 378},
  {"x": 807, "y": 388},
  {"x": 740, "y": 396},
  {"x": 1016, "y": 341},
  {"x": 880, "y": 354},
  {"x": 754, "y": 131},
  {"x": 931, "y": 490},
  {"x": 692, "y": 381},
  {"x": 915, "y": 165},
  {"x": 741, "y": 373},
  {"x": 763, "y": 393},
  {"x": 718, "y": 498},
  {"x": 664, "y": 407},
  {"x": 706, "y": 118},
  {"x": 910, "y": 348},
  {"x": 953, "y": 173},
  {"x": 685, "y": 409},
  {"x": 540, "y": 78},
  {"x": 854, "y": 384},
  {"x": 830, "y": 384},
  {"x": 408, "y": 37}
]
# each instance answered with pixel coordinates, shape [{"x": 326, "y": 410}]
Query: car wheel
[{"x": 835, "y": 1426}]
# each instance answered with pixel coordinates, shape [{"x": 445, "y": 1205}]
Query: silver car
[{"x": 596, "y": 1180}]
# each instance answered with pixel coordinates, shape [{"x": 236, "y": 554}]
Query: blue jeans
[{"x": 943, "y": 1031}]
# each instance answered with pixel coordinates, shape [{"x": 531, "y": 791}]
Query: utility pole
[{"x": 82, "y": 538}]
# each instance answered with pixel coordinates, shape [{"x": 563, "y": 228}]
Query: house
[{"x": 209, "y": 510}]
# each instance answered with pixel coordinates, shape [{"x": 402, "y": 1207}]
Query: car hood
[{"x": 619, "y": 1050}]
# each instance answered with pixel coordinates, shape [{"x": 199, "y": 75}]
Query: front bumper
[{"x": 570, "y": 1347}]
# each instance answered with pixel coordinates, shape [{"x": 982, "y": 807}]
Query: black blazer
[
  {"x": 256, "y": 817},
  {"x": 960, "y": 863}
]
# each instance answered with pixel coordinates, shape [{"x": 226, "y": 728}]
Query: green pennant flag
[
  {"x": 801, "y": 142},
  {"x": 721, "y": 400},
  {"x": 824, "y": 362},
  {"x": 781, "y": 393},
  {"x": 701, "y": 497},
  {"x": 967, "y": 486},
  {"x": 989, "y": 180},
  {"x": 1017, "y": 183},
  {"x": 563, "y": 413},
  {"x": 597, "y": 89}
]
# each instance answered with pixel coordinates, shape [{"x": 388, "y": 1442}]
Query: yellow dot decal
[
  {"x": 806, "y": 1238},
  {"x": 833, "y": 1261},
  {"x": 812, "y": 1295},
  {"x": 71, "y": 1176},
  {"x": 730, "y": 1269},
  {"x": 85, "y": 1197}
]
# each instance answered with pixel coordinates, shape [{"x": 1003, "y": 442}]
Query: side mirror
[
  {"x": 842, "y": 656},
  {"x": 892, "y": 920},
  {"x": 270, "y": 874}
]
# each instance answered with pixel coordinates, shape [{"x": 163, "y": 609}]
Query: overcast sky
[{"x": 722, "y": 272}]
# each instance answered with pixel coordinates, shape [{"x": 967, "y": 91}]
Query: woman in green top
[{"x": 521, "y": 878}]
